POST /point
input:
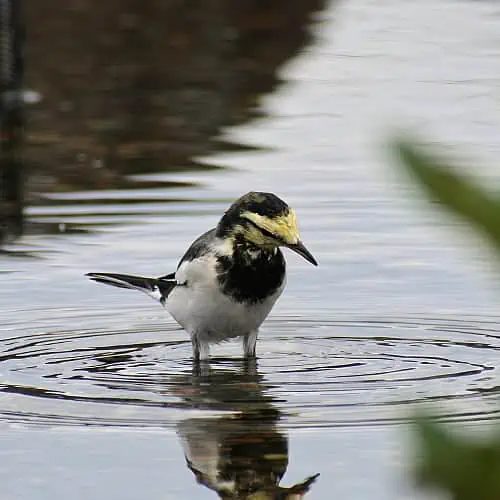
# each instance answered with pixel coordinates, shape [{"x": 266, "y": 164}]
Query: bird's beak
[{"x": 303, "y": 251}]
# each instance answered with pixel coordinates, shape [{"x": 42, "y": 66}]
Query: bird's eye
[{"x": 265, "y": 232}]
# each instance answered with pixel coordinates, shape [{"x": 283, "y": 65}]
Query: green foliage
[
  {"x": 459, "y": 194},
  {"x": 466, "y": 468}
]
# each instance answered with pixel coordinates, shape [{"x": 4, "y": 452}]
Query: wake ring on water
[{"x": 313, "y": 373}]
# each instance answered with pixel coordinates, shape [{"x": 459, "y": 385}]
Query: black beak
[{"x": 303, "y": 251}]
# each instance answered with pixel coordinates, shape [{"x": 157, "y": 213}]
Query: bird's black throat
[{"x": 251, "y": 274}]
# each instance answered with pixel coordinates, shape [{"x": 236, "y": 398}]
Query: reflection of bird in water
[
  {"x": 242, "y": 456},
  {"x": 229, "y": 279}
]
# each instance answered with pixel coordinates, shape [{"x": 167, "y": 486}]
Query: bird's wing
[
  {"x": 199, "y": 247},
  {"x": 158, "y": 288}
]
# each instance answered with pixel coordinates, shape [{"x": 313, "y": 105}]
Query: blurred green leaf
[
  {"x": 465, "y": 467},
  {"x": 453, "y": 190},
  {"x": 468, "y": 469}
]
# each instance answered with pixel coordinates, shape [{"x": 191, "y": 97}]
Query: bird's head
[{"x": 265, "y": 221}]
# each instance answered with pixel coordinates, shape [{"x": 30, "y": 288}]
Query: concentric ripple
[{"x": 313, "y": 373}]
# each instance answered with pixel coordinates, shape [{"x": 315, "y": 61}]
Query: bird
[{"x": 230, "y": 277}]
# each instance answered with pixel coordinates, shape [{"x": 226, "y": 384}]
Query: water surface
[{"x": 98, "y": 393}]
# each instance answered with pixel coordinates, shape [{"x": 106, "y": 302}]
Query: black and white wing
[{"x": 157, "y": 288}]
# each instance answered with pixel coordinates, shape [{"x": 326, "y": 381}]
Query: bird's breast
[{"x": 251, "y": 277}]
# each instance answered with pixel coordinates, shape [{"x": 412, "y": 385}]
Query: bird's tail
[{"x": 157, "y": 288}]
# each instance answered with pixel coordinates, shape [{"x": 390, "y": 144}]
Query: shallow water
[
  {"x": 98, "y": 396},
  {"x": 319, "y": 373}
]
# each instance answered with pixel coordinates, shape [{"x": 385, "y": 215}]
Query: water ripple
[{"x": 322, "y": 373}]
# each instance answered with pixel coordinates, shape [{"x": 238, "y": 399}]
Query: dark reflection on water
[
  {"x": 11, "y": 119},
  {"x": 243, "y": 455},
  {"x": 133, "y": 88}
]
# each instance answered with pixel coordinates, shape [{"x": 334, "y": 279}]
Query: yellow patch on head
[{"x": 283, "y": 227}]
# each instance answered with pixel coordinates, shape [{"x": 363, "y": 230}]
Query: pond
[{"x": 98, "y": 396}]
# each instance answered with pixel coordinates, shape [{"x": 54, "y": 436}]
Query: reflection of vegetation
[
  {"x": 11, "y": 120},
  {"x": 242, "y": 456},
  {"x": 132, "y": 87},
  {"x": 468, "y": 469},
  {"x": 135, "y": 87}
]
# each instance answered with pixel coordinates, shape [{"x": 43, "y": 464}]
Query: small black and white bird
[{"x": 230, "y": 277}]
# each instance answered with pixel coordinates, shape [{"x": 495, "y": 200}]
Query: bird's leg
[
  {"x": 201, "y": 350},
  {"x": 249, "y": 342},
  {"x": 196, "y": 348}
]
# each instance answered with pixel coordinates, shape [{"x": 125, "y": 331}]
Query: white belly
[
  {"x": 202, "y": 310},
  {"x": 214, "y": 317}
]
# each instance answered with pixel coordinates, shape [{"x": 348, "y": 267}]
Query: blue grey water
[{"x": 97, "y": 389}]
